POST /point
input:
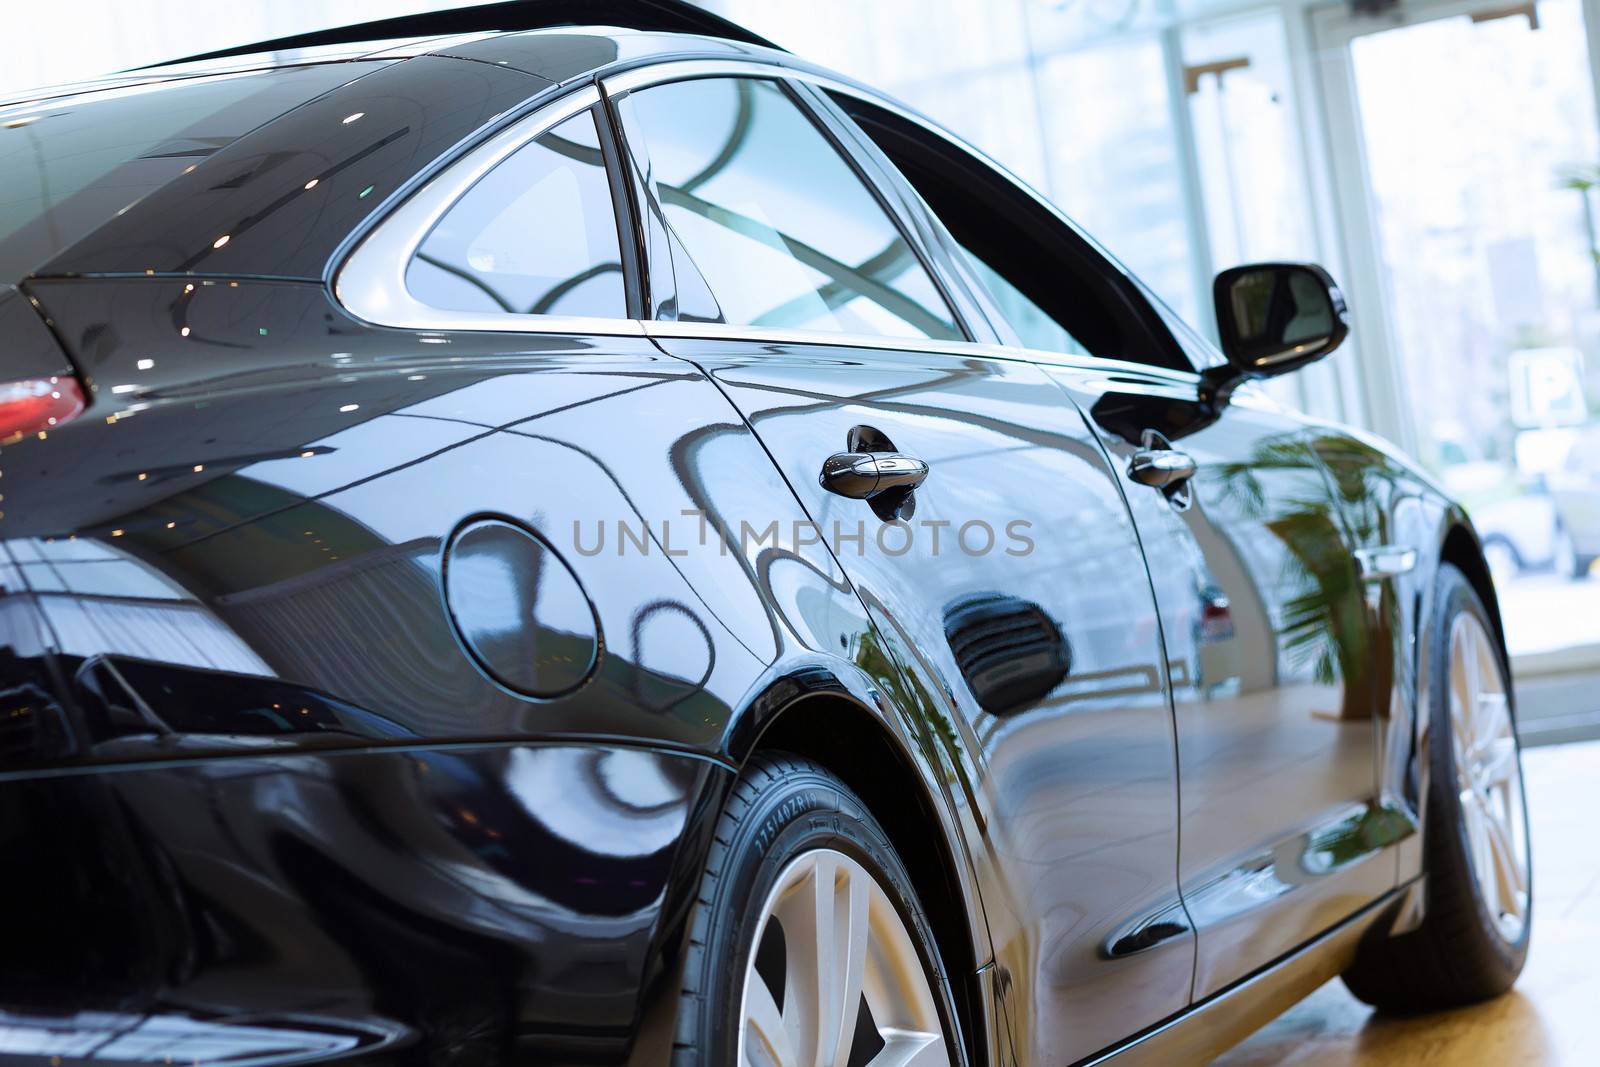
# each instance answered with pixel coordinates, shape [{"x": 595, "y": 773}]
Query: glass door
[
  {"x": 1468, "y": 165},
  {"x": 1253, "y": 195}
]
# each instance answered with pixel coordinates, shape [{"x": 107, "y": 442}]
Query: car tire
[
  {"x": 1473, "y": 939},
  {"x": 754, "y": 969}
]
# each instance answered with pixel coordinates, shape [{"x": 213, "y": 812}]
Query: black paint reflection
[
  {"x": 434, "y": 904},
  {"x": 287, "y": 193},
  {"x": 229, "y": 574},
  {"x": 284, "y": 480},
  {"x": 1057, "y": 751},
  {"x": 1009, "y": 651},
  {"x": 1273, "y": 663}
]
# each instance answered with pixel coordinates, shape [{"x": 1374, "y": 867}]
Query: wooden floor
[{"x": 1553, "y": 1014}]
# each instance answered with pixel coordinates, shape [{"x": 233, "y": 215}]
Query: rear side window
[
  {"x": 782, "y": 229},
  {"x": 537, "y": 235}
]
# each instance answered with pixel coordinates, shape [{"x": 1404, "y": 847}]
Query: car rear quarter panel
[{"x": 258, "y": 784}]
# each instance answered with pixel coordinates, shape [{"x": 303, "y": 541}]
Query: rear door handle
[
  {"x": 1161, "y": 467},
  {"x": 863, "y": 475}
]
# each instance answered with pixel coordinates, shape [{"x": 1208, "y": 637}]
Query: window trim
[
  {"x": 1080, "y": 246},
  {"x": 371, "y": 283}
]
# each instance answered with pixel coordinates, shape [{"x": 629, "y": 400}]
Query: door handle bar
[
  {"x": 1382, "y": 562},
  {"x": 863, "y": 475},
  {"x": 1161, "y": 467}
]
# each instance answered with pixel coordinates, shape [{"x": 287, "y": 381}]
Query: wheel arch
[
  {"x": 1448, "y": 538},
  {"x": 851, "y": 739},
  {"x": 1463, "y": 549}
]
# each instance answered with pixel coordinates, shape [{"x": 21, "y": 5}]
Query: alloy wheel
[
  {"x": 835, "y": 979},
  {"x": 1488, "y": 776}
]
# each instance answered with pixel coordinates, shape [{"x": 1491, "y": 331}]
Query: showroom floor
[{"x": 1548, "y": 1019}]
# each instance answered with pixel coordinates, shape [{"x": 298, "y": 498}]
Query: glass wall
[
  {"x": 1074, "y": 98},
  {"x": 1114, "y": 159},
  {"x": 1442, "y": 157},
  {"x": 1482, "y": 194},
  {"x": 1241, "y": 101}
]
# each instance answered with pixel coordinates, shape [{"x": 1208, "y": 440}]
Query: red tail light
[{"x": 35, "y": 404}]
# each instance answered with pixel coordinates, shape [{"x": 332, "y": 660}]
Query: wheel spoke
[
  {"x": 1463, "y": 683},
  {"x": 1493, "y": 721},
  {"x": 910, "y": 1048},
  {"x": 851, "y": 930},
  {"x": 1488, "y": 776},
  {"x": 1509, "y": 875},
  {"x": 845, "y": 946},
  {"x": 1499, "y": 762},
  {"x": 767, "y": 1038},
  {"x": 1461, "y": 698},
  {"x": 829, "y": 927},
  {"x": 809, "y": 916},
  {"x": 826, "y": 962}
]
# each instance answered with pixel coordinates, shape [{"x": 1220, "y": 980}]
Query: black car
[{"x": 532, "y": 543}]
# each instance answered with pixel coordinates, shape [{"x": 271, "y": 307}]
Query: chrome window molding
[
  {"x": 677, "y": 70},
  {"x": 721, "y": 331},
  {"x": 783, "y": 67},
  {"x": 371, "y": 283}
]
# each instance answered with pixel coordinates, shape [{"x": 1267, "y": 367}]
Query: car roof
[
  {"x": 668, "y": 16},
  {"x": 235, "y": 62},
  {"x": 229, "y": 207},
  {"x": 283, "y": 198}
]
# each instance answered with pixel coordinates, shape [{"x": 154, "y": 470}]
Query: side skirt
[{"x": 1230, "y": 1015}]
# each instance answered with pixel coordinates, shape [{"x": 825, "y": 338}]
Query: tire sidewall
[{"x": 803, "y": 810}]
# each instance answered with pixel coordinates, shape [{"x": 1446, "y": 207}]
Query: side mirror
[{"x": 1274, "y": 318}]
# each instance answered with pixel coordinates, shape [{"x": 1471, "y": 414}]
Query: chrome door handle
[
  {"x": 863, "y": 475},
  {"x": 1161, "y": 467},
  {"x": 1385, "y": 561}
]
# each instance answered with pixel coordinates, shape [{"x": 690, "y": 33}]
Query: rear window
[{"x": 69, "y": 165}]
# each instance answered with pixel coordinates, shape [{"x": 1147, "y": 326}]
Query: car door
[
  {"x": 1006, "y": 583},
  {"x": 1272, "y": 672}
]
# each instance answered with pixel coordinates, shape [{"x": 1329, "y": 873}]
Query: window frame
[
  {"x": 368, "y": 280},
  {"x": 371, "y": 282},
  {"x": 618, "y": 86},
  {"x": 1020, "y": 205}
]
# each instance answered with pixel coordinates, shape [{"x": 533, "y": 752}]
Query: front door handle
[
  {"x": 1164, "y": 468},
  {"x": 1382, "y": 562},
  {"x": 863, "y": 475}
]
